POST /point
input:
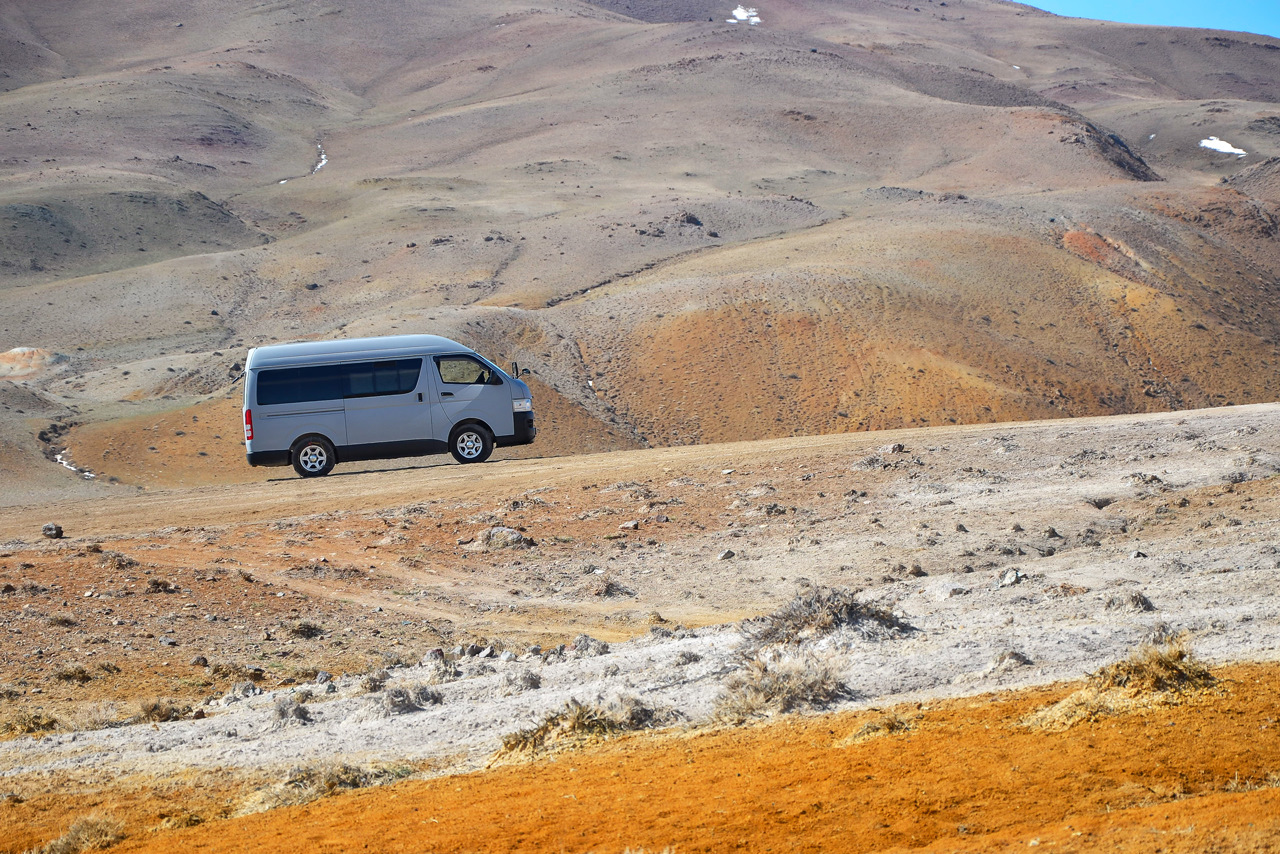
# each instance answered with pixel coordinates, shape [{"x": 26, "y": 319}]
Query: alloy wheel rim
[
  {"x": 313, "y": 458},
  {"x": 470, "y": 445}
]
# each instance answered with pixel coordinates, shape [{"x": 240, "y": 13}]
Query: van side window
[
  {"x": 367, "y": 379},
  {"x": 463, "y": 370},
  {"x": 299, "y": 385},
  {"x": 333, "y": 382}
]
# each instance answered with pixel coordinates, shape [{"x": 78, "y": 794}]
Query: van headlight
[{"x": 524, "y": 404}]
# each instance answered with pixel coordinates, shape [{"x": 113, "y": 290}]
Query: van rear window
[{"x": 332, "y": 382}]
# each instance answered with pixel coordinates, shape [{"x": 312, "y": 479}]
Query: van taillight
[{"x": 248, "y": 425}]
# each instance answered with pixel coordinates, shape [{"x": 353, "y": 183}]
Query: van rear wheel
[
  {"x": 471, "y": 444},
  {"x": 313, "y": 457}
]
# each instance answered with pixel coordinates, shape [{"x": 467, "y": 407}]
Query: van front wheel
[
  {"x": 313, "y": 457},
  {"x": 471, "y": 444}
]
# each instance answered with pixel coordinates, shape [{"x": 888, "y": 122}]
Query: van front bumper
[
  {"x": 268, "y": 458},
  {"x": 525, "y": 431}
]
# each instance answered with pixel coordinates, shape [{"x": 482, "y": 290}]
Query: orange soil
[{"x": 966, "y": 777}]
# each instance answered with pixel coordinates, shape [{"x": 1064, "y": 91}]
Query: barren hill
[{"x": 849, "y": 216}]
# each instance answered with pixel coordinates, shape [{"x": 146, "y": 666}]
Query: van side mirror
[{"x": 525, "y": 372}]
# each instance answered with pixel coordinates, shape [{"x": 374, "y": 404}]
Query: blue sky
[{"x": 1250, "y": 16}]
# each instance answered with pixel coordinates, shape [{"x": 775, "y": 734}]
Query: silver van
[{"x": 318, "y": 403}]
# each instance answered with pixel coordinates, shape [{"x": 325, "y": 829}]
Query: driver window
[{"x": 461, "y": 370}]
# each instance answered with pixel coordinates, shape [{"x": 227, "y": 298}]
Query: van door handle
[
  {"x": 446, "y": 394},
  {"x": 419, "y": 397}
]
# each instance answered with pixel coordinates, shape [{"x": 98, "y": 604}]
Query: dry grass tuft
[
  {"x": 767, "y": 687},
  {"x": 889, "y": 724},
  {"x": 1155, "y": 667},
  {"x": 306, "y": 630},
  {"x": 160, "y": 711},
  {"x": 818, "y": 611},
  {"x": 1153, "y": 674},
  {"x": 579, "y": 723},
  {"x": 91, "y": 833},
  {"x": 288, "y": 710},
  {"x": 29, "y": 723},
  {"x": 306, "y": 784},
  {"x": 77, "y": 673}
]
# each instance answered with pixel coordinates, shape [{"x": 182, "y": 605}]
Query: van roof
[{"x": 386, "y": 347}]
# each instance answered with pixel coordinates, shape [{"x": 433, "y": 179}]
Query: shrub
[
  {"x": 1152, "y": 674},
  {"x": 288, "y": 710},
  {"x": 889, "y": 724},
  {"x": 160, "y": 711},
  {"x": 578, "y": 722},
  {"x": 818, "y": 611},
  {"x": 91, "y": 833},
  {"x": 375, "y": 681},
  {"x": 306, "y": 630},
  {"x": 763, "y": 687},
  {"x": 77, "y": 673},
  {"x": 28, "y": 723},
  {"x": 1154, "y": 668}
]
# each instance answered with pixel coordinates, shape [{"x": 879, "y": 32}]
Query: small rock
[
  {"x": 1011, "y": 577},
  {"x": 895, "y": 448},
  {"x": 661, "y": 518},
  {"x": 1138, "y": 554},
  {"x": 199, "y": 661},
  {"x": 961, "y": 529},
  {"x": 633, "y": 525},
  {"x": 916, "y": 571},
  {"x": 168, "y": 642},
  {"x": 323, "y": 677},
  {"x": 1017, "y": 529},
  {"x": 52, "y": 531},
  {"x": 487, "y": 652},
  {"x": 1052, "y": 534},
  {"x": 507, "y": 655},
  {"x": 726, "y": 554}
]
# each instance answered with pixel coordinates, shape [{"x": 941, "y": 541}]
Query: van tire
[
  {"x": 313, "y": 456},
  {"x": 471, "y": 443}
]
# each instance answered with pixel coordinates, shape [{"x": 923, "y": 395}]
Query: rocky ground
[{"x": 412, "y": 621}]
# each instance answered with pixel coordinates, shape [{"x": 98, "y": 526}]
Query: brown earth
[{"x": 966, "y": 776}]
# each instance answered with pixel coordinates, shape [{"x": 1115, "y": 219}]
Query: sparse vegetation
[
  {"x": 818, "y": 611},
  {"x": 888, "y": 724},
  {"x": 375, "y": 681},
  {"x": 579, "y": 722},
  {"x": 290, "y": 710},
  {"x": 767, "y": 687},
  {"x": 77, "y": 673},
  {"x": 62, "y": 621},
  {"x": 1155, "y": 668},
  {"x": 29, "y": 723},
  {"x": 1152, "y": 674},
  {"x": 310, "y": 783},
  {"x": 306, "y": 630},
  {"x": 91, "y": 833},
  {"x": 161, "y": 711},
  {"x": 161, "y": 585},
  {"x": 414, "y": 697}
]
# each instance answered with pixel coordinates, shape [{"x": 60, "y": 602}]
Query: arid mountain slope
[{"x": 853, "y": 215}]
